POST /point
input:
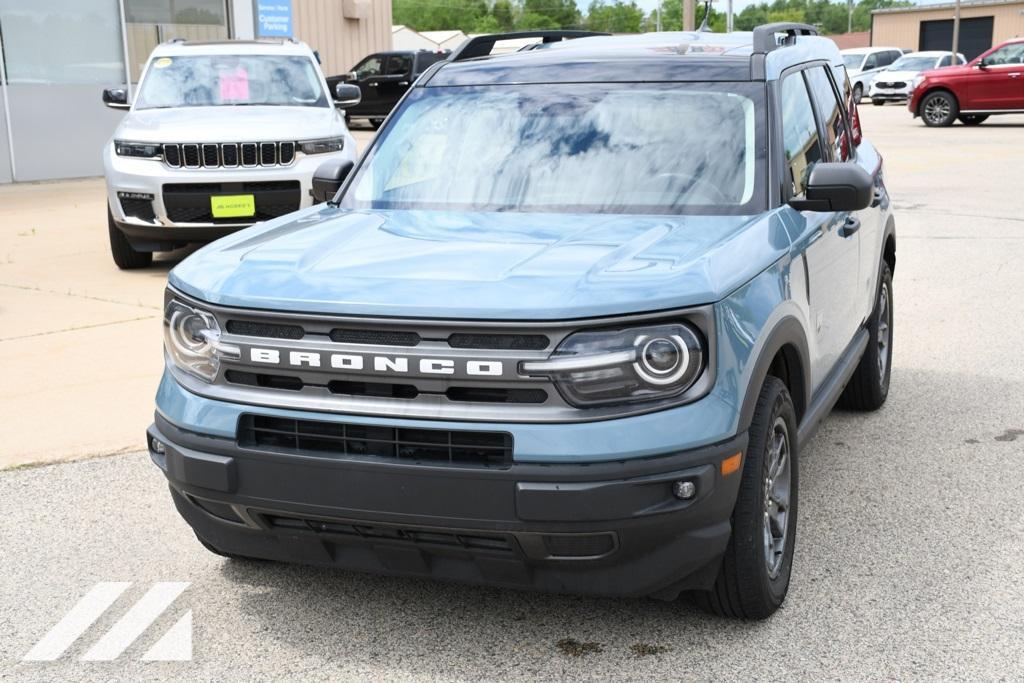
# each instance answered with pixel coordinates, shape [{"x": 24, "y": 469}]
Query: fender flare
[{"x": 787, "y": 332}]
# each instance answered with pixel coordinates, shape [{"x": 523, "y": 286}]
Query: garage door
[{"x": 975, "y": 35}]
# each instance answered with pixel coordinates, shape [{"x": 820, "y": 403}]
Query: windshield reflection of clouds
[
  {"x": 225, "y": 80},
  {"x": 563, "y": 148}
]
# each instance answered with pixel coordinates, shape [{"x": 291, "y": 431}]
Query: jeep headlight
[
  {"x": 600, "y": 367},
  {"x": 322, "y": 146},
  {"x": 192, "y": 340},
  {"x": 142, "y": 150}
]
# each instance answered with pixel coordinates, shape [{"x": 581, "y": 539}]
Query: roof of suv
[
  {"x": 665, "y": 56},
  {"x": 176, "y": 48}
]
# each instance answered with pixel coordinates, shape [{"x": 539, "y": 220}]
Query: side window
[
  {"x": 799, "y": 132},
  {"x": 827, "y": 101},
  {"x": 398, "y": 65},
  {"x": 893, "y": 56},
  {"x": 425, "y": 59},
  {"x": 871, "y": 62},
  {"x": 1009, "y": 54},
  {"x": 946, "y": 61},
  {"x": 839, "y": 73},
  {"x": 369, "y": 67}
]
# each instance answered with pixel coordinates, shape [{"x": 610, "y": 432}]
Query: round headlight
[{"x": 661, "y": 360}]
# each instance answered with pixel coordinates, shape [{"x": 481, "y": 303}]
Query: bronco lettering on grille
[{"x": 382, "y": 364}]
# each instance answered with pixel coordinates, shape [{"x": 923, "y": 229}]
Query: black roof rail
[
  {"x": 481, "y": 46},
  {"x": 765, "y": 40}
]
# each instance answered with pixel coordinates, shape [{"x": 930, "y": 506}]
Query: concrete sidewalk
[{"x": 80, "y": 340}]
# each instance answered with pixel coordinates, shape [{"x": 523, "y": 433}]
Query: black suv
[{"x": 383, "y": 78}]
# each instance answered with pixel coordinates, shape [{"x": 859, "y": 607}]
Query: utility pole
[
  {"x": 849, "y": 16},
  {"x": 659, "y": 16},
  {"x": 689, "y": 15},
  {"x": 728, "y": 16},
  {"x": 956, "y": 31}
]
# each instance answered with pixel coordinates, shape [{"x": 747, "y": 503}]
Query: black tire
[
  {"x": 972, "y": 119},
  {"x": 878, "y": 103},
  {"x": 746, "y": 587},
  {"x": 858, "y": 93},
  {"x": 125, "y": 257},
  {"x": 869, "y": 386},
  {"x": 939, "y": 109}
]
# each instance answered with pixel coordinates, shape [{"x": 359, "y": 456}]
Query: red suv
[{"x": 992, "y": 83}]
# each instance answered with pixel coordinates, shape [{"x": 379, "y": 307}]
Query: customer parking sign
[{"x": 274, "y": 18}]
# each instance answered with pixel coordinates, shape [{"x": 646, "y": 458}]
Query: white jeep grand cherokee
[{"x": 220, "y": 136}]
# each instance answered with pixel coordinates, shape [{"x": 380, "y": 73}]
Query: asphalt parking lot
[{"x": 911, "y": 536}]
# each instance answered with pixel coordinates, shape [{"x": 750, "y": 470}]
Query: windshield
[
  {"x": 587, "y": 148},
  {"x": 914, "y": 63},
  {"x": 853, "y": 61},
  {"x": 231, "y": 80}
]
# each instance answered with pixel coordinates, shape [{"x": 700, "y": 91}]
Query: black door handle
[
  {"x": 877, "y": 199},
  {"x": 850, "y": 226}
]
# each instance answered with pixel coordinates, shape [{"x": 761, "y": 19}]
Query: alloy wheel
[
  {"x": 884, "y": 331},
  {"x": 777, "y": 487},
  {"x": 937, "y": 109}
]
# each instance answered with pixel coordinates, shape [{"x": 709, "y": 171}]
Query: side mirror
[
  {"x": 984, "y": 63},
  {"x": 327, "y": 179},
  {"x": 347, "y": 95},
  {"x": 351, "y": 76},
  {"x": 836, "y": 186},
  {"x": 116, "y": 98}
]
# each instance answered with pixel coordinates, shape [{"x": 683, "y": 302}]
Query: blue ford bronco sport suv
[{"x": 565, "y": 326}]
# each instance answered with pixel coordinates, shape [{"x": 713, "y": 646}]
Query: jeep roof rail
[
  {"x": 765, "y": 40},
  {"x": 481, "y": 46}
]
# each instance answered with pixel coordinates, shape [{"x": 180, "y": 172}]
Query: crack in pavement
[
  {"x": 26, "y": 288},
  {"x": 75, "y": 329}
]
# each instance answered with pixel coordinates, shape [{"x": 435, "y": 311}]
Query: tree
[
  {"x": 503, "y": 13},
  {"x": 614, "y": 16},
  {"x": 563, "y": 13}
]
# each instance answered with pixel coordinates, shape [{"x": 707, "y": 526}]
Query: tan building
[
  {"x": 983, "y": 23},
  {"x": 57, "y": 56}
]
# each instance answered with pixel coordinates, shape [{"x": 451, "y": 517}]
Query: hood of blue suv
[{"x": 503, "y": 266}]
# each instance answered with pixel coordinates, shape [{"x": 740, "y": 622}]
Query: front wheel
[
  {"x": 878, "y": 103},
  {"x": 939, "y": 109},
  {"x": 753, "y": 579},
  {"x": 858, "y": 93},
  {"x": 972, "y": 119},
  {"x": 121, "y": 249}
]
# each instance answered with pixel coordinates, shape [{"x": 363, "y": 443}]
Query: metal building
[
  {"x": 983, "y": 23},
  {"x": 56, "y": 56}
]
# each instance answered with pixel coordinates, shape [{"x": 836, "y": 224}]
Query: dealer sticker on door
[{"x": 233, "y": 206}]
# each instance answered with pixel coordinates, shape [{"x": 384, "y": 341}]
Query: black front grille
[
  {"x": 512, "y": 342},
  {"x": 273, "y": 330},
  {"x": 893, "y": 84},
  {"x": 376, "y": 533},
  {"x": 375, "y": 337},
  {"x": 172, "y": 155},
  {"x": 138, "y": 208},
  {"x": 229, "y": 155},
  {"x": 190, "y": 153},
  {"x": 332, "y": 439},
  {"x": 190, "y": 202},
  {"x": 268, "y": 153},
  {"x": 249, "y": 157},
  {"x": 286, "y": 152},
  {"x": 211, "y": 156}
]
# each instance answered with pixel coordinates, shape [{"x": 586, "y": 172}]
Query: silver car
[{"x": 220, "y": 136}]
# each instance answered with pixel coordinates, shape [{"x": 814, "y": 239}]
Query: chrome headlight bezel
[
  {"x": 322, "y": 145},
  {"x": 617, "y": 366},
  {"x": 192, "y": 340}
]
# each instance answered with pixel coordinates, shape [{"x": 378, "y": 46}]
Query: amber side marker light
[{"x": 732, "y": 464}]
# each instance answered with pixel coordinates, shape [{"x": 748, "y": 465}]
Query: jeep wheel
[
  {"x": 972, "y": 119},
  {"x": 754, "y": 577},
  {"x": 878, "y": 103},
  {"x": 939, "y": 109},
  {"x": 125, "y": 257},
  {"x": 869, "y": 386},
  {"x": 858, "y": 93}
]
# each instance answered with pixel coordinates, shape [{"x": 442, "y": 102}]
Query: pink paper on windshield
[{"x": 234, "y": 85}]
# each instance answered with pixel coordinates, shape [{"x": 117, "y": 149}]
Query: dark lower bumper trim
[{"x": 605, "y": 528}]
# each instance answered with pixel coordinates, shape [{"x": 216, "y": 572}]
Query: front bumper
[
  {"x": 179, "y": 197},
  {"x": 609, "y": 528},
  {"x": 889, "y": 94}
]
